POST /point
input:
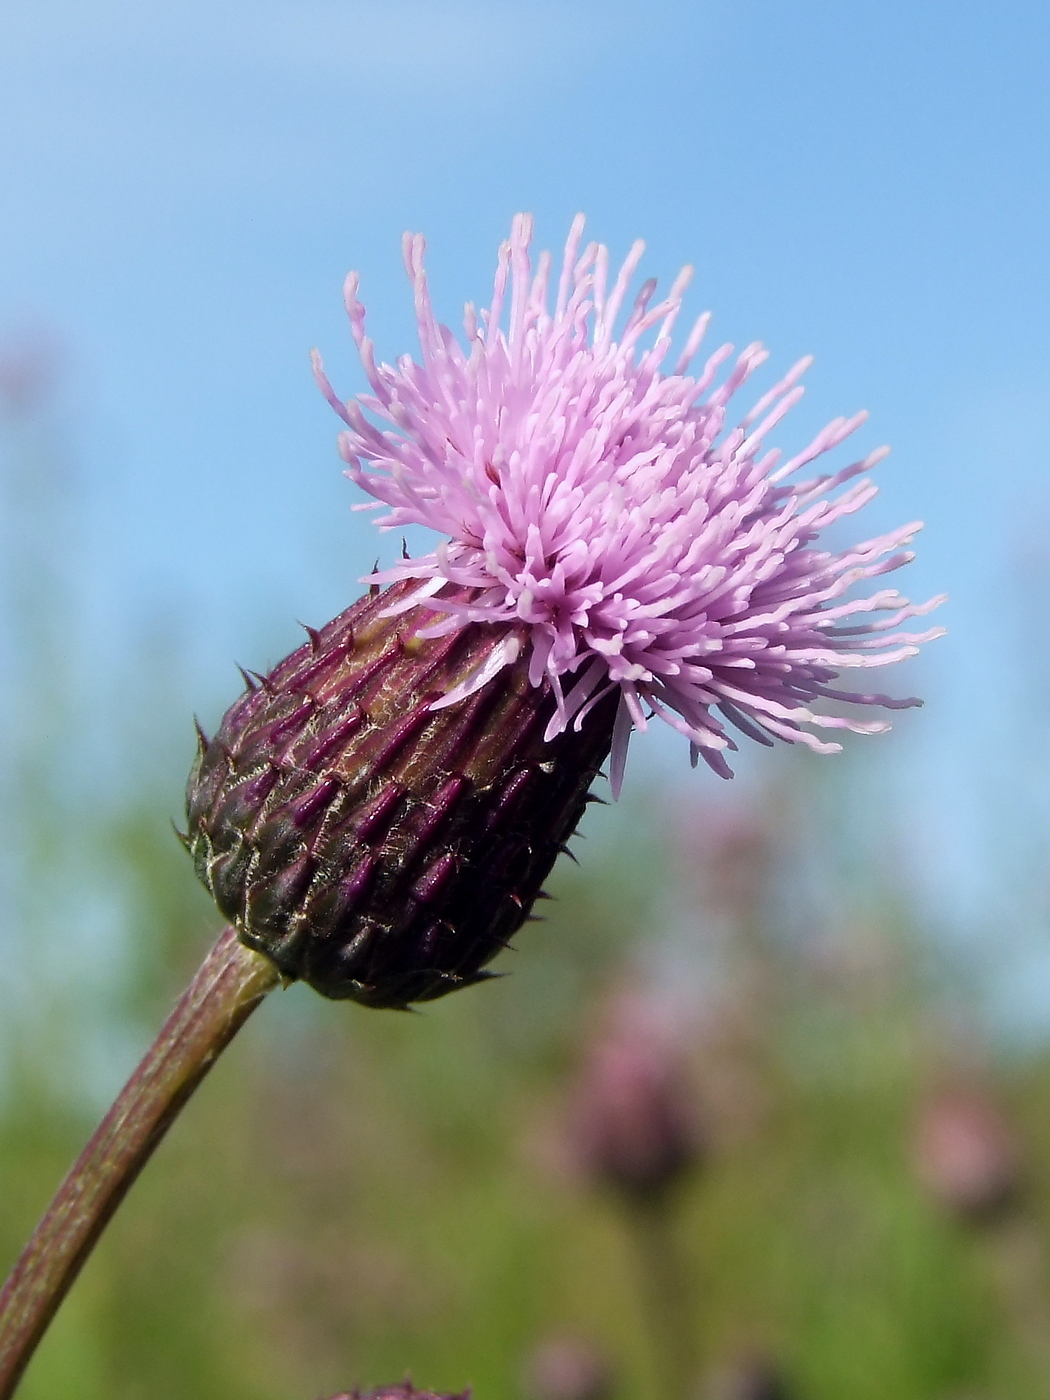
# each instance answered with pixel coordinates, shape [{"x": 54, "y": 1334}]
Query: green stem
[
  {"x": 228, "y": 986},
  {"x": 667, "y": 1292},
  {"x": 1016, "y": 1248}
]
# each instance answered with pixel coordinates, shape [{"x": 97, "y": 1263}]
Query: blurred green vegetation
[{"x": 354, "y": 1195}]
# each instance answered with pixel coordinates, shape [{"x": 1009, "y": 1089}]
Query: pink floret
[{"x": 600, "y": 500}]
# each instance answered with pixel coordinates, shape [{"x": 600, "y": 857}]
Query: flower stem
[
  {"x": 228, "y": 986},
  {"x": 667, "y": 1294}
]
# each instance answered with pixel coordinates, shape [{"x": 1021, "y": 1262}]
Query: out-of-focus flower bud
[
  {"x": 966, "y": 1154},
  {"x": 751, "y": 1378},
  {"x": 565, "y": 1368},
  {"x": 405, "y": 1391},
  {"x": 29, "y": 366},
  {"x": 633, "y": 1121},
  {"x": 732, "y": 851}
]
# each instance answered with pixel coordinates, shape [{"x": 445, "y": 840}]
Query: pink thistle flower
[
  {"x": 379, "y": 812},
  {"x": 598, "y": 499}
]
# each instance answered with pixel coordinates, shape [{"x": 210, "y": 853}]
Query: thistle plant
[{"x": 378, "y": 814}]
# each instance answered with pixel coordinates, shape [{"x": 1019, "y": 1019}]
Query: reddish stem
[{"x": 228, "y": 986}]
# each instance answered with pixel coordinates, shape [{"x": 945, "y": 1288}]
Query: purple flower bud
[
  {"x": 374, "y": 843},
  {"x": 750, "y": 1378},
  {"x": 633, "y": 1118}
]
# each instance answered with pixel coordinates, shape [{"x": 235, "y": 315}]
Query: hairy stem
[{"x": 228, "y": 986}]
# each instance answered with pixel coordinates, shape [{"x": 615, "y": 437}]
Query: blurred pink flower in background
[
  {"x": 566, "y": 1368},
  {"x": 633, "y": 1116},
  {"x": 748, "y": 1378},
  {"x": 30, "y": 363},
  {"x": 966, "y": 1154}
]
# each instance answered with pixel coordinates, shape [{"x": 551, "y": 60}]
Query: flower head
[
  {"x": 378, "y": 813},
  {"x": 597, "y": 497}
]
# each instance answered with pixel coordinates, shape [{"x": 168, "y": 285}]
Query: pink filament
[{"x": 606, "y": 505}]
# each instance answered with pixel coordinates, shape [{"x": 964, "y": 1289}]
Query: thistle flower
[
  {"x": 598, "y": 501},
  {"x": 379, "y": 813}
]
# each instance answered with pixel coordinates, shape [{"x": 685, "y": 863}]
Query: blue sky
[{"x": 185, "y": 184}]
